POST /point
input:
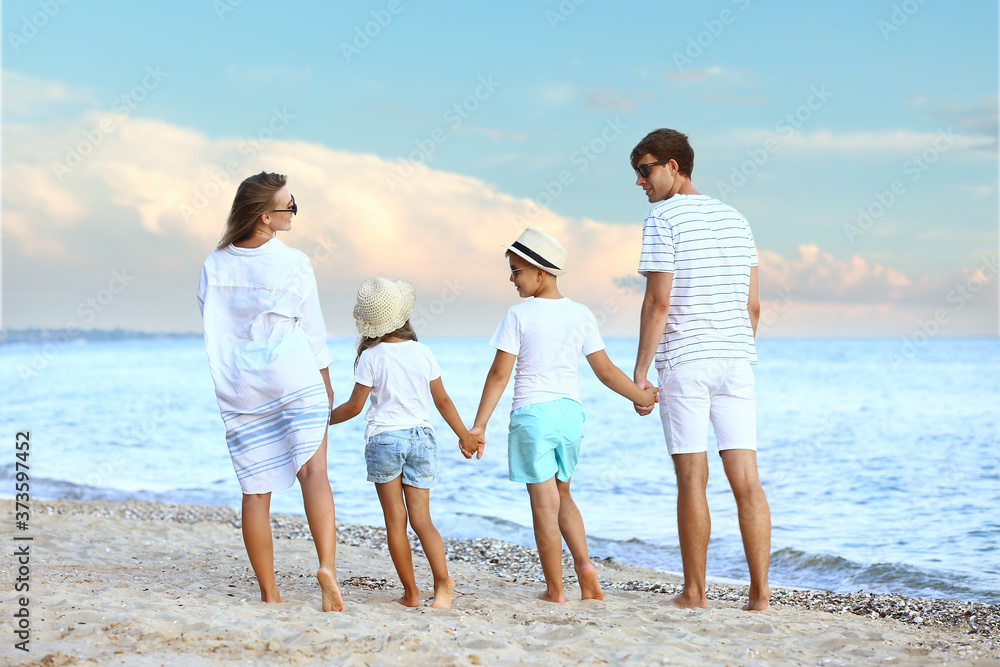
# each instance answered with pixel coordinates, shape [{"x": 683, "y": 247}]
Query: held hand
[
  {"x": 646, "y": 386},
  {"x": 476, "y": 443}
]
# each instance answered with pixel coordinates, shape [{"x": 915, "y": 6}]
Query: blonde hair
[
  {"x": 405, "y": 332},
  {"x": 254, "y": 198}
]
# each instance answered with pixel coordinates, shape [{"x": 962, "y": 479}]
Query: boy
[{"x": 545, "y": 336}]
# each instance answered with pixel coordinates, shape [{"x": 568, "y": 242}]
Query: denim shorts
[
  {"x": 543, "y": 441},
  {"x": 411, "y": 453}
]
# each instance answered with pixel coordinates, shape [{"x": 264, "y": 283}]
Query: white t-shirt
[
  {"x": 547, "y": 336},
  {"x": 709, "y": 248},
  {"x": 400, "y": 376}
]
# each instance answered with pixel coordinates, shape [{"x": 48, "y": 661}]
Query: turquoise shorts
[{"x": 544, "y": 441}]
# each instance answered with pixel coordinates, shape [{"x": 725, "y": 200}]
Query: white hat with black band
[{"x": 541, "y": 250}]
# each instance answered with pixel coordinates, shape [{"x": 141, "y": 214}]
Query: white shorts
[{"x": 719, "y": 391}]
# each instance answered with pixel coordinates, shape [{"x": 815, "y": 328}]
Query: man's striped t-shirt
[{"x": 709, "y": 248}]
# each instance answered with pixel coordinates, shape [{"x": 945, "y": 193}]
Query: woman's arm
[
  {"x": 325, "y": 372},
  {"x": 353, "y": 406},
  {"x": 469, "y": 444},
  {"x": 614, "y": 379}
]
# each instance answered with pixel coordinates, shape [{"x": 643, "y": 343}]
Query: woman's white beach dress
[{"x": 266, "y": 342}]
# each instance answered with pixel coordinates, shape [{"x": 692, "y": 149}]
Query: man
[{"x": 699, "y": 319}]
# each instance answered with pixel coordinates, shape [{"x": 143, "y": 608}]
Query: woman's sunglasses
[{"x": 294, "y": 209}]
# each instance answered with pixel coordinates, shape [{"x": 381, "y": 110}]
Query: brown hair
[
  {"x": 405, "y": 332},
  {"x": 254, "y": 198},
  {"x": 664, "y": 144}
]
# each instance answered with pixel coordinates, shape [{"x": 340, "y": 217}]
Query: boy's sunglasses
[
  {"x": 643, "y": 169},
  {"x": 294, "y": 209}
]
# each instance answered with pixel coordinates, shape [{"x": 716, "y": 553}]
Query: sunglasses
[
  {"x": 293, "y": 210},
  {"x": 643, "y": 169}
]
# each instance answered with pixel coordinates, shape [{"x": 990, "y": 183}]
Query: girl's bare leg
[
  {"x": 260, "y": 548},
  {"x": 418, "y": 509},
  {"x": 317, "y": 497},
  {"x": 390, "y": 495}
]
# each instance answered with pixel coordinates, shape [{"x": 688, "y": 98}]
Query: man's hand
[{"x": 645, "y": 385}]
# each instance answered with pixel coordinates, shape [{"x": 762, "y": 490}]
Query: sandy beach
[{"x": 157, "y": 584}]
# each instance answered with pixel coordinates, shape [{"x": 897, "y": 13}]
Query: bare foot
[
  {"x": 590, "y": 585},
  {"x": 686, "y": 601},
  {"x": 443, "y": 593},
  {"x": 272, "y": 597},
  {"x": 546, "y": 596},
  {"x": 760, "y": 604},
  {"x": 409, "y": 601},
  {"x": 331, "y": 591}
]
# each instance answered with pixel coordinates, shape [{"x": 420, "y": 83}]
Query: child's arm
[
  {"x": 496, "y": 382},
  {"x": 614, "y": 379},
  {"x": 469, "y": 444},
  {"x": 353, "y": 406}
]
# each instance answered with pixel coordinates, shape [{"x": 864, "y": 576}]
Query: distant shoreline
[{"x": 62, "y": 335}]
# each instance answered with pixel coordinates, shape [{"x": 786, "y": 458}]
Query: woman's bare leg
[
  {"x": 317, "y": 497},
  {"x": 260, "y": 548}
]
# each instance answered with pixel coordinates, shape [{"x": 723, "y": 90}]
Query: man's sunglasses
[
  {"x": 643, "y": 169},
  {"x": 293, "y": 210}
]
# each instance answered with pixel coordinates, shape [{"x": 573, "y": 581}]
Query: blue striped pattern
[{"x": 269, "y": 444}]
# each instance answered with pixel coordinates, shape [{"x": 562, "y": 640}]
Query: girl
[
  {"x": 403, "y": 379},
  {"x": 266, "y": 345}
]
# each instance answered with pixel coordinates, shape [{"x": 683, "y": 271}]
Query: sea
[{"x": 879, "y": 457}]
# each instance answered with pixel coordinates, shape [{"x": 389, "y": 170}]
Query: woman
[{"x": 266, "y": 344}]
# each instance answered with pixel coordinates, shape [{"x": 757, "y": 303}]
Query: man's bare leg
[
  {"x": 317, "y": 497},
  {"x": 694, "y": 526},
  {"x": 259, "y": 545},
  {"x": 571, "y": 527},
  {"x": 755, "y": 521},
  {"x": 545, "y": 519}
]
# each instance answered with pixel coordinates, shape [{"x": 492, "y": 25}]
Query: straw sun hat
[
  {"x": 383, "y": 306},
  {"x": 540, "y": 249}
]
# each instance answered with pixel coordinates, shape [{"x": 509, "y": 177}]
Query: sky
[{"x": 859, "y": 139}]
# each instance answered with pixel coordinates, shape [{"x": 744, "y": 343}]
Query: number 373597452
[{"x": 23, "y": 447}]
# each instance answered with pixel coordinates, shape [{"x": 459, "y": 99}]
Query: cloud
[
  {"x": 733, "y": 100},
  {"x": 556, "y": 94},
  {"x": 24, "y": 94},
  {"x": 818, "y": 277},
  {"x": 495, "y": 135},
  {"x": 607, "y": 100},
  {"x": 981, "y": 118},
  {"x": 686, "y": 75},
  {"x": 902, "y": 143},
  {"x": 150, "y": 201}
]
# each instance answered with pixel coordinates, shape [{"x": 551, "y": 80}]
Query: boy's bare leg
[
  {"x": 390, "y": 495},
  {"x": 571, "y": 527},
  {"x": 260, "y": 548},
  {"x": 418, "y": 509},
  {"x": 755, "y": 521},
  {"x": 694, "y": 526},
  {"x": 544, "y": 499},
  {"x": 317, "y": 497}
]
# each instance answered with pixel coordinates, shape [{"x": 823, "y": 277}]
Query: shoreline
[{"x": 191, "y": 562}]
